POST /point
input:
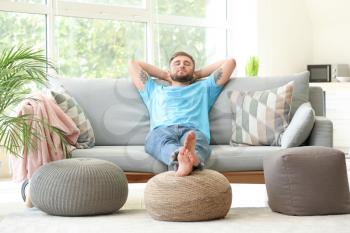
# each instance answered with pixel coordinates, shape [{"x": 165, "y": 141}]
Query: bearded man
[{"x": 179, "y": 112}]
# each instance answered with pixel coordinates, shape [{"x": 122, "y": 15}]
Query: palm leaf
[{"x": 20, "y": 68}]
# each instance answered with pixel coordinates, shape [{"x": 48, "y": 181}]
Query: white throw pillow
[{"x": 300, "y": 126}]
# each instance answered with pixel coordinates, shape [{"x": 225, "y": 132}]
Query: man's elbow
[
  {"x": 231, "y": 65},
  {"x": 232, "y": 62},
  {"x": 132, "y": 63},
  {"x": 133, "y": 67}
]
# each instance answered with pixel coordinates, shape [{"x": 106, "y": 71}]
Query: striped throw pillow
[{"x": 260, "y": 117}]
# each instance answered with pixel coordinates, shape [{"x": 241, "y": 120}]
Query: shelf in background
[{"x": 337, "y": 110}]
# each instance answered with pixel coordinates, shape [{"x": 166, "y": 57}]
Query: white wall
[
  {"x": 284, "y": 36},
  {"x": 243, "y": 33},
  {"x": 294, "y": 33},
  {"x": 330, "y": 22}
]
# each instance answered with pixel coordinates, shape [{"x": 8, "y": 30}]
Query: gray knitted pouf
[
  {"x": 78, "y": 187},
  {"x": 203, "y": 195}
]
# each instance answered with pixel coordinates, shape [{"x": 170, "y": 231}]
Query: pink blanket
[{"x": 48, "y": 148}]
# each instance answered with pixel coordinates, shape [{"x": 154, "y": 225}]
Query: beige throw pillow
[{"x": 260, "y": 117}]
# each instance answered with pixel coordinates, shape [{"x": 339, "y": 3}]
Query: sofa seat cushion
[
  {"x": 128, "y": 158},
  {"x": 226, "y": 158}
]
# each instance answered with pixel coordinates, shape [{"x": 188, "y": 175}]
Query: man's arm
[
  {"x": 222, "y": 71},
  {"x": 140, "y": 72}
]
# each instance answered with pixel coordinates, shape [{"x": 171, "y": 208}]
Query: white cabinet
[{"x": 338, "y": 110}]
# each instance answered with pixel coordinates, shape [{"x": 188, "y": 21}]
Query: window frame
[{"x": 147, "y": 15}]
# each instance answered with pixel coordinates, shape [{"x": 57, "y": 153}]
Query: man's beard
[{"x": 182, "y": 78}]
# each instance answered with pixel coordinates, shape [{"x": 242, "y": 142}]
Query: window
[
  {"x": 98, "y": 48},
  {"x": 206, "y": 9},
  {"x": 204, "y": 44},
  {"x": 22, "y": 29},
  {"x": 96, "y": 38},
  {"x": 129, "y": 3},
  {"x": 30, "y": 1}
]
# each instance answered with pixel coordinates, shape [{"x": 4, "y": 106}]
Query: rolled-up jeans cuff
[
  {"x": 199, "y": 167},
  {"x": 174, "y": 164}
]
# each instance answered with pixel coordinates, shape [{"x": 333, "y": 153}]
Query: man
[{"x": 179, "y": 113}]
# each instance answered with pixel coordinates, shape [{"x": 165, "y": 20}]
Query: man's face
[{"x": 181, "y": 69}]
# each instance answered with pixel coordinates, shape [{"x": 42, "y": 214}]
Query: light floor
[{"x": 243, "y": 195}]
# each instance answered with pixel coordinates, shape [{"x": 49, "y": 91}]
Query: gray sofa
[{"x": 121, "y": 123}]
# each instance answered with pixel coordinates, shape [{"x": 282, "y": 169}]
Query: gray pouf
[
  {"x": 203, "y": 195},
  {"x": 308, "y": 180},
  {"x": 78, "y": 187}
]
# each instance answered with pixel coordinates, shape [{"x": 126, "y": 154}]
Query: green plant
[
  {"x": 20, "y": 68},
  {"x": 252, "y": 67}
]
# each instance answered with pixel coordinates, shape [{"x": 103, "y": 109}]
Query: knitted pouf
[
  {"x": 203, "y": 195},
  {"x": 78, "y": 187}
]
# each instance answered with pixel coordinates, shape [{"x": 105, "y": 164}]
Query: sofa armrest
[{"x": 322, "y": 133}]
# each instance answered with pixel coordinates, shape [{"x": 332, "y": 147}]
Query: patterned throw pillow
[
  {"x": 70, "y": 106},
  {"x": 260, "y": 117}
]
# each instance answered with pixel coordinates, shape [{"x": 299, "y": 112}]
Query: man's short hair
[{"x": 181, "y": 53}]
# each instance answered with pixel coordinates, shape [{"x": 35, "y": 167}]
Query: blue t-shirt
[{"x": 187, "y": 105}]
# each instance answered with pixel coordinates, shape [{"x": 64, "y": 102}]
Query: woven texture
[
  {"x": 71, "y": 107},
  {"x": 260, "y": 117},
  {"x": 78, "y": 187},
  {"x": 203, "y": 195}
]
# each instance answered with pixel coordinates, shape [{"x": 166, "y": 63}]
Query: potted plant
[
  {"x": 252, "y": 67},
  {"x": 19, "y": 69}
]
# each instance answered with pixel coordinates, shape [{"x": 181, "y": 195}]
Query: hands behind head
[
  {"x": 196, "y": 76},
  {"x": 168, "y": 76}
]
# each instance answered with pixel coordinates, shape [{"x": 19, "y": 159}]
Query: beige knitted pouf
[{"x": 203, "y": 195}]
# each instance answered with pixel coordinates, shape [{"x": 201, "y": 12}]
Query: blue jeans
[{"x": 164, "y": 142}]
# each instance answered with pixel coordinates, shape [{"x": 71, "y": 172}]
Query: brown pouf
[
  {"x": 203, "y": 195},
  {"x": 308, "y": 180}
]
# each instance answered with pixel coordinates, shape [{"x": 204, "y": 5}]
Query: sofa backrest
[
  {"x": 114, "y": 108},
  {"x": 119, "y": 117},
  {"x": 317, "y": 99}
]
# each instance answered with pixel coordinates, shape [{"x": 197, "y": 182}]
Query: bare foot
[
  {"x": 190, "y": 144},
  {"x": 187, "y": 157},
  {"x": 185, "y": 165}
]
